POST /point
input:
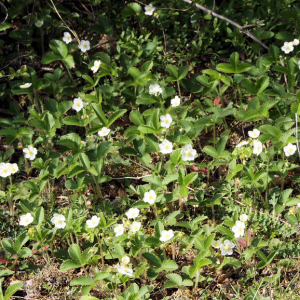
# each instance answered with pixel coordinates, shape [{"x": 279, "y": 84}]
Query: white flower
[
  {"x": 93, "y": 222},
  {"x": 242, "y": 143},
  {"x": 226, "y": 248},
  {"x": 155, "y": 89},
  {"x": 149, "y": 197},
  {"x": 125, "y": 260},
  {"x": 295, "y": 42},
  {"x": 84, "y": 46},
  {"x": 188, "y": 153},
  {"x": 287, "y": 47},
  {"x": 26, "y": 219},
  {"x": 77, "y": 104},
  {"x": 243, "y": 218},
  {"x": 166, "y": 147},
  {"x": 96, "y": 66},
  {"x": 216, "y": 244},
  {"x": 135, "y": 226},
  {"x": 257, "y": 147},
  {"x": 166, "y": 121},
  {"x": 124, "y": 271},
  {"x": 30, "y": 152},
  {"x": 25, "y": 85},
  {"x": 119, "y": 230},
  {"x": 149, "y": 9},
  {"x": 39, "y": 23},
  {"x": 290, "y": 149},
  {"x": 59, "y": 221},
  {"x": 5, "y": 170},
  {"x": 175, "y": 101},
  {"x": 104, "y": 131},
  {"x": 13, "y": 168},
  {"x": 166, "y": 235},
  {"x": 132, "y": 213},
  {"x": 254, "y": 134},
  {"x": 67, "y": 37},
  {"x": 238, "y": 229}
]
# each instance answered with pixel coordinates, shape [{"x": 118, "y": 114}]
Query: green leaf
[
  {"x": 68, "y": 61},
  {"x": 173, "y": 71},
  {"x": 100, "y": 114},
  {"x": 12, "y": 289},
  {"x": 175, "y": 278},
  {"x": 50, "y": 57},
  {"x": 153, "y": 259},
  {"x": 136, "y": 118},
  {"x": 262, "y": 264},
  {"x": 183, "y": 72},
  {"x": 225, "y": 68},
  {"x": 84, "y": 280},
  {"x": 234, "y": 60},
  {"x": 116, "y": 115},
  {"x": 59, "y": 48},
  {"x": 89, "y": 298},
  {"x": 169, "y": 265},
  {"x": 225, "y": 231},
  {"x": 292, "y": 219},
  {"x": 190, "y": 178},
  {"x": 75, "y": 253},
  {"x": 68, "y": 265},
  {"x": 211, "y": 151}
]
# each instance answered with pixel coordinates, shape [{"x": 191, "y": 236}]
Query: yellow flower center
[
  {"x": 68, "y": 37},
  {"x": 26, "y": 220},
  {"x": 216, "y": 244},
  {"x": 287, "y": 47},
  {"x": 84, "y": 45},
  {"x": 166, "y": 147},
  {"x": 240, "y": 229},
  {"x": 30, "y": 152},
  {"x": 149, "y": 9},
  {"x": 135, "y": 228},
  {"x": 77, "y": 104},
  {"x": 59, "y": 221},
  {"x": 188, "y": 153},
  {"x": 227, "y": 247},
  {"x": 291, "y": 150},
  {"x": 258, "y": 148}
]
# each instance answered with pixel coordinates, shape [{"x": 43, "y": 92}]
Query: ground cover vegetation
[{"x": 149, "y": 149}]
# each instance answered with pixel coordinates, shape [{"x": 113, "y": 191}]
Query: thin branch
[
  {"x": 107, "y": 42},
  {"x": 137, "y": 178},
  {"x": 5, "y": 10},
  {"x": 241, "y": 28},
  {"x": 73, "y": 32}
]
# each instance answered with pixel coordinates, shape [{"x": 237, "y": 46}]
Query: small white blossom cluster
[
  {"x": 26, "y": 219},
  {"x": 187, "y": 152},
  {"x": 149, "y": 9},
  {"x": 166, "y": 235},
  {"x": 175, "y": 101},
  {"x": 59, "y": 221},
  {"x": 67, "y": 37},
  {"x": 132, "y": 213},
  {"x": 39, "y": 23},
  {"x": 30, "y": 152},
  {"x": 289, "y": 150},
  {"x": 84, "y": 46},
  {"x": 155, "y": 89},
  {"x": 149, "y": 197},
  {"x": 77, "y": 104},
  {"x": 289, "y": 46},
  {"x": 7, "y": 169},
  {"x": 239, "y": 227},
  {"x": 25, "y": 85},
  {"x": 124, "y": 270},
  {"x": 104, "y": 132},
  {"x": 226, "y": 247},
  {"x": 96, "y": 66}
]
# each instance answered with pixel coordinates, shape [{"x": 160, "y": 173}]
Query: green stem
[
  {"x": 72, "y": 239},
  {"x": 10, "y": 200},
  {"x": 196, "y": 281},
  {"x": 179, "y": 91}
]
